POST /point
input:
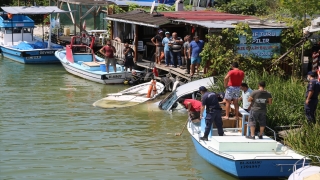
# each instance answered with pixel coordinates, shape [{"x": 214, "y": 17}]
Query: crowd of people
[{"x": 253, "y": 101}]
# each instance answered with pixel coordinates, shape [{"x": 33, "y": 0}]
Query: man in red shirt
[
  {"x": 232, "y": 83},
  {"x": 193, "y": 106},
  {"x": 108, "y": 52}
]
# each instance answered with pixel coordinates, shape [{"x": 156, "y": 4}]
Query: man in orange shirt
[
  {"x": 232, "y": 83},
  {"x": 193, "y": 106}
]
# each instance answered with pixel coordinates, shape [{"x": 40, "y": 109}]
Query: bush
[{"x": 305, "y": 139}]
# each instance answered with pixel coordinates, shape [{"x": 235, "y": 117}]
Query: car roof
[{"x": 194, "y": 86}]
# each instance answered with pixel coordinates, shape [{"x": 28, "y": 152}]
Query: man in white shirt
[{"x": 246, "y": 91}]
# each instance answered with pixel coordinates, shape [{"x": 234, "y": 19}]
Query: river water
[{"x": 50, "y": 130}]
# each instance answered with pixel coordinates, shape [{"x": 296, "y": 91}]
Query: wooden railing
[{"x": 119, "y": 49}]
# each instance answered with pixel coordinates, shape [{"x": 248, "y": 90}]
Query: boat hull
[
  {"x": 96, "y": 76},
  {"x": 44, "y": 56},
  {"x": 251, "y": 168}
]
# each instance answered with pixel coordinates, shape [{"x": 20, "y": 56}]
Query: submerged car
[{"x": 189, "y": 90}]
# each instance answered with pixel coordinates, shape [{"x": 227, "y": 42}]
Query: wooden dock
[{"x": 169, "y": 70}]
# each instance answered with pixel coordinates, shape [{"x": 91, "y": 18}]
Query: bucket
[
  {"x": 103, "y": 68},
  {"x": 66, "y": 31}
]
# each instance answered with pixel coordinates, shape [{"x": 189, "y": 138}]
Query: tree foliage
[{"x": 299, "y": 8}]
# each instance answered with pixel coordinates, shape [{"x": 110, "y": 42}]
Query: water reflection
[{"x": 51, "y": 131}]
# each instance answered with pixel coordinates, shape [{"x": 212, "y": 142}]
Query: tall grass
[
  {"x": 305, "y": 139},
  {"x": 287, "y": 93}
]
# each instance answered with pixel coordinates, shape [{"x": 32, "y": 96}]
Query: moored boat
[
  {"x": 308, "y": 171},
  {"x": 131, "y": 96},
  {"x": 17, "y": 41},
  {"x": 79, "y": 59},
  {"x": 241, "y": 157}
]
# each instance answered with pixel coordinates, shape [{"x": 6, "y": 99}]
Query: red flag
[{"x": 84, "y": 25}]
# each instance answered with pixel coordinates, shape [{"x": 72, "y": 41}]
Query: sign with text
[{"x": 265, "y": 43}]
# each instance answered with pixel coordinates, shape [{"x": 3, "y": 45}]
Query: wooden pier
[{"x": 173, "y": 72}]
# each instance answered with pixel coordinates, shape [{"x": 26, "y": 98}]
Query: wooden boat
[
  {"x": 17, "y": 41},
  {"x": 79, "y": 59},
  {"x": 131, "y": 96},
  {"x": 241, "y": 157}
]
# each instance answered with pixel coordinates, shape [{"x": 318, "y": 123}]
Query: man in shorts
[
  {"x": 108, "y": 51},
  {"x": 128, "y": 55},
  {"x": 259, "y": 99},
  {"x": 232, "y": 83},
  {"x": 193, "y": 106},
  {"x": 196, "y": 47},
  {"x": 157, "y": 41}
]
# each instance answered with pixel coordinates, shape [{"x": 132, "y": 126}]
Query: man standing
[
  {"x": 128, "y": 54},
  {"x": 259, "y": 100},
  {"x": 232, "y": 83},
  {"x": 157, "y": 41},
  {"x": 186, "y": 49},
  {"x": 175, "y": 45},
  {"x": 167, "y": 52},
  {"x": 196, "y": 47},
  {"x": 246, "y": 91},
  {"x": 213, "y": 110},
  {"x": 193, "y": 106},
  {"x": 108, "y": 52},
  {"x": 312, "y": 94}
]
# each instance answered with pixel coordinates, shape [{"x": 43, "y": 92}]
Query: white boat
[
  {"x": 79, "y": 59},
  {"x": 17, "y": 40},
  {"x": 307, "y": 171},
  {"x": 131, "y": 96}
]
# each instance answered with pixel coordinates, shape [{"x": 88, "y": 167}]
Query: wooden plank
[{"x": 91, "y": 64}]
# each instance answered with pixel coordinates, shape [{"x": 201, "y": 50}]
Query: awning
[
  {"x": 32, "y": 9},
  {"x": 139, "y": 18}
]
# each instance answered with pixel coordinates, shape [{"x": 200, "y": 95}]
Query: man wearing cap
[
  {"x": 213, "y": 112},
  {"x": 157, "y": 41},
  {"x": 312, "y": 94},
  {"x": 196, "y": 47},
  {"x": 167, "y": 52}
]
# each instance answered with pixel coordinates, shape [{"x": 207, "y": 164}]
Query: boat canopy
[{"x": 32, "y": 9}]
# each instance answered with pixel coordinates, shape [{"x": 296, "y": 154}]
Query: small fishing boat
[
  {"x": 308, "y": 171},
  {"x": 241, "y": 157},
  {"x": 131, "y": 96},
  {"x": 17, "y": 41},
  {"x": 79, "y": 59}
]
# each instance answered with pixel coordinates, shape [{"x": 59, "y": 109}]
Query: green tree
[{"x": 299, "y": 8}]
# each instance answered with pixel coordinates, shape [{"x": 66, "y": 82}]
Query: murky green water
[{"x": 50, "y": 130}]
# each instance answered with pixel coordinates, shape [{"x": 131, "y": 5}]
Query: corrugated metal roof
[
  {"x": 139, "y": 3},
  {"x": 32, "y": 9},
  {"x": 231, "y": 24},
  {"x": 140, "y": 18},
  {"x": 205, "y": 16}
]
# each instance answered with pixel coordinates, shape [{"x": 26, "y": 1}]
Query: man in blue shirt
[
  {"x": 167, "y": 53},
  {"x": 196, "y": 47},
  {"x": 210, "y": 101},
  {"x": 312, "y": 94}
]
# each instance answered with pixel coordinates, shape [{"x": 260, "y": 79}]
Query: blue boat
[
  {"x": 79, "y": 59},
  {"x": 241, "y": 157},
  {"x": 17, "y": 41}
]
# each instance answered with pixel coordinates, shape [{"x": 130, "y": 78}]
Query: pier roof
[{"x": 140, "y": 18}]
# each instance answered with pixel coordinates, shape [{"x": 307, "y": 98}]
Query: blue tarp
[
  {"x": 24, "y": 46},
  {"x": 37, "y": 45}
]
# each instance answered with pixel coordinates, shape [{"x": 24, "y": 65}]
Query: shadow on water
[{"x": 50, "y": 130}]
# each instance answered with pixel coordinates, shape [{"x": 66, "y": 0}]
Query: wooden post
[
  {"x": 80, "y": 20},
  {"x": 75, "y": 21},
  {"x": 136, "y": 42},
  {"x": 111, "y": 29}
]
